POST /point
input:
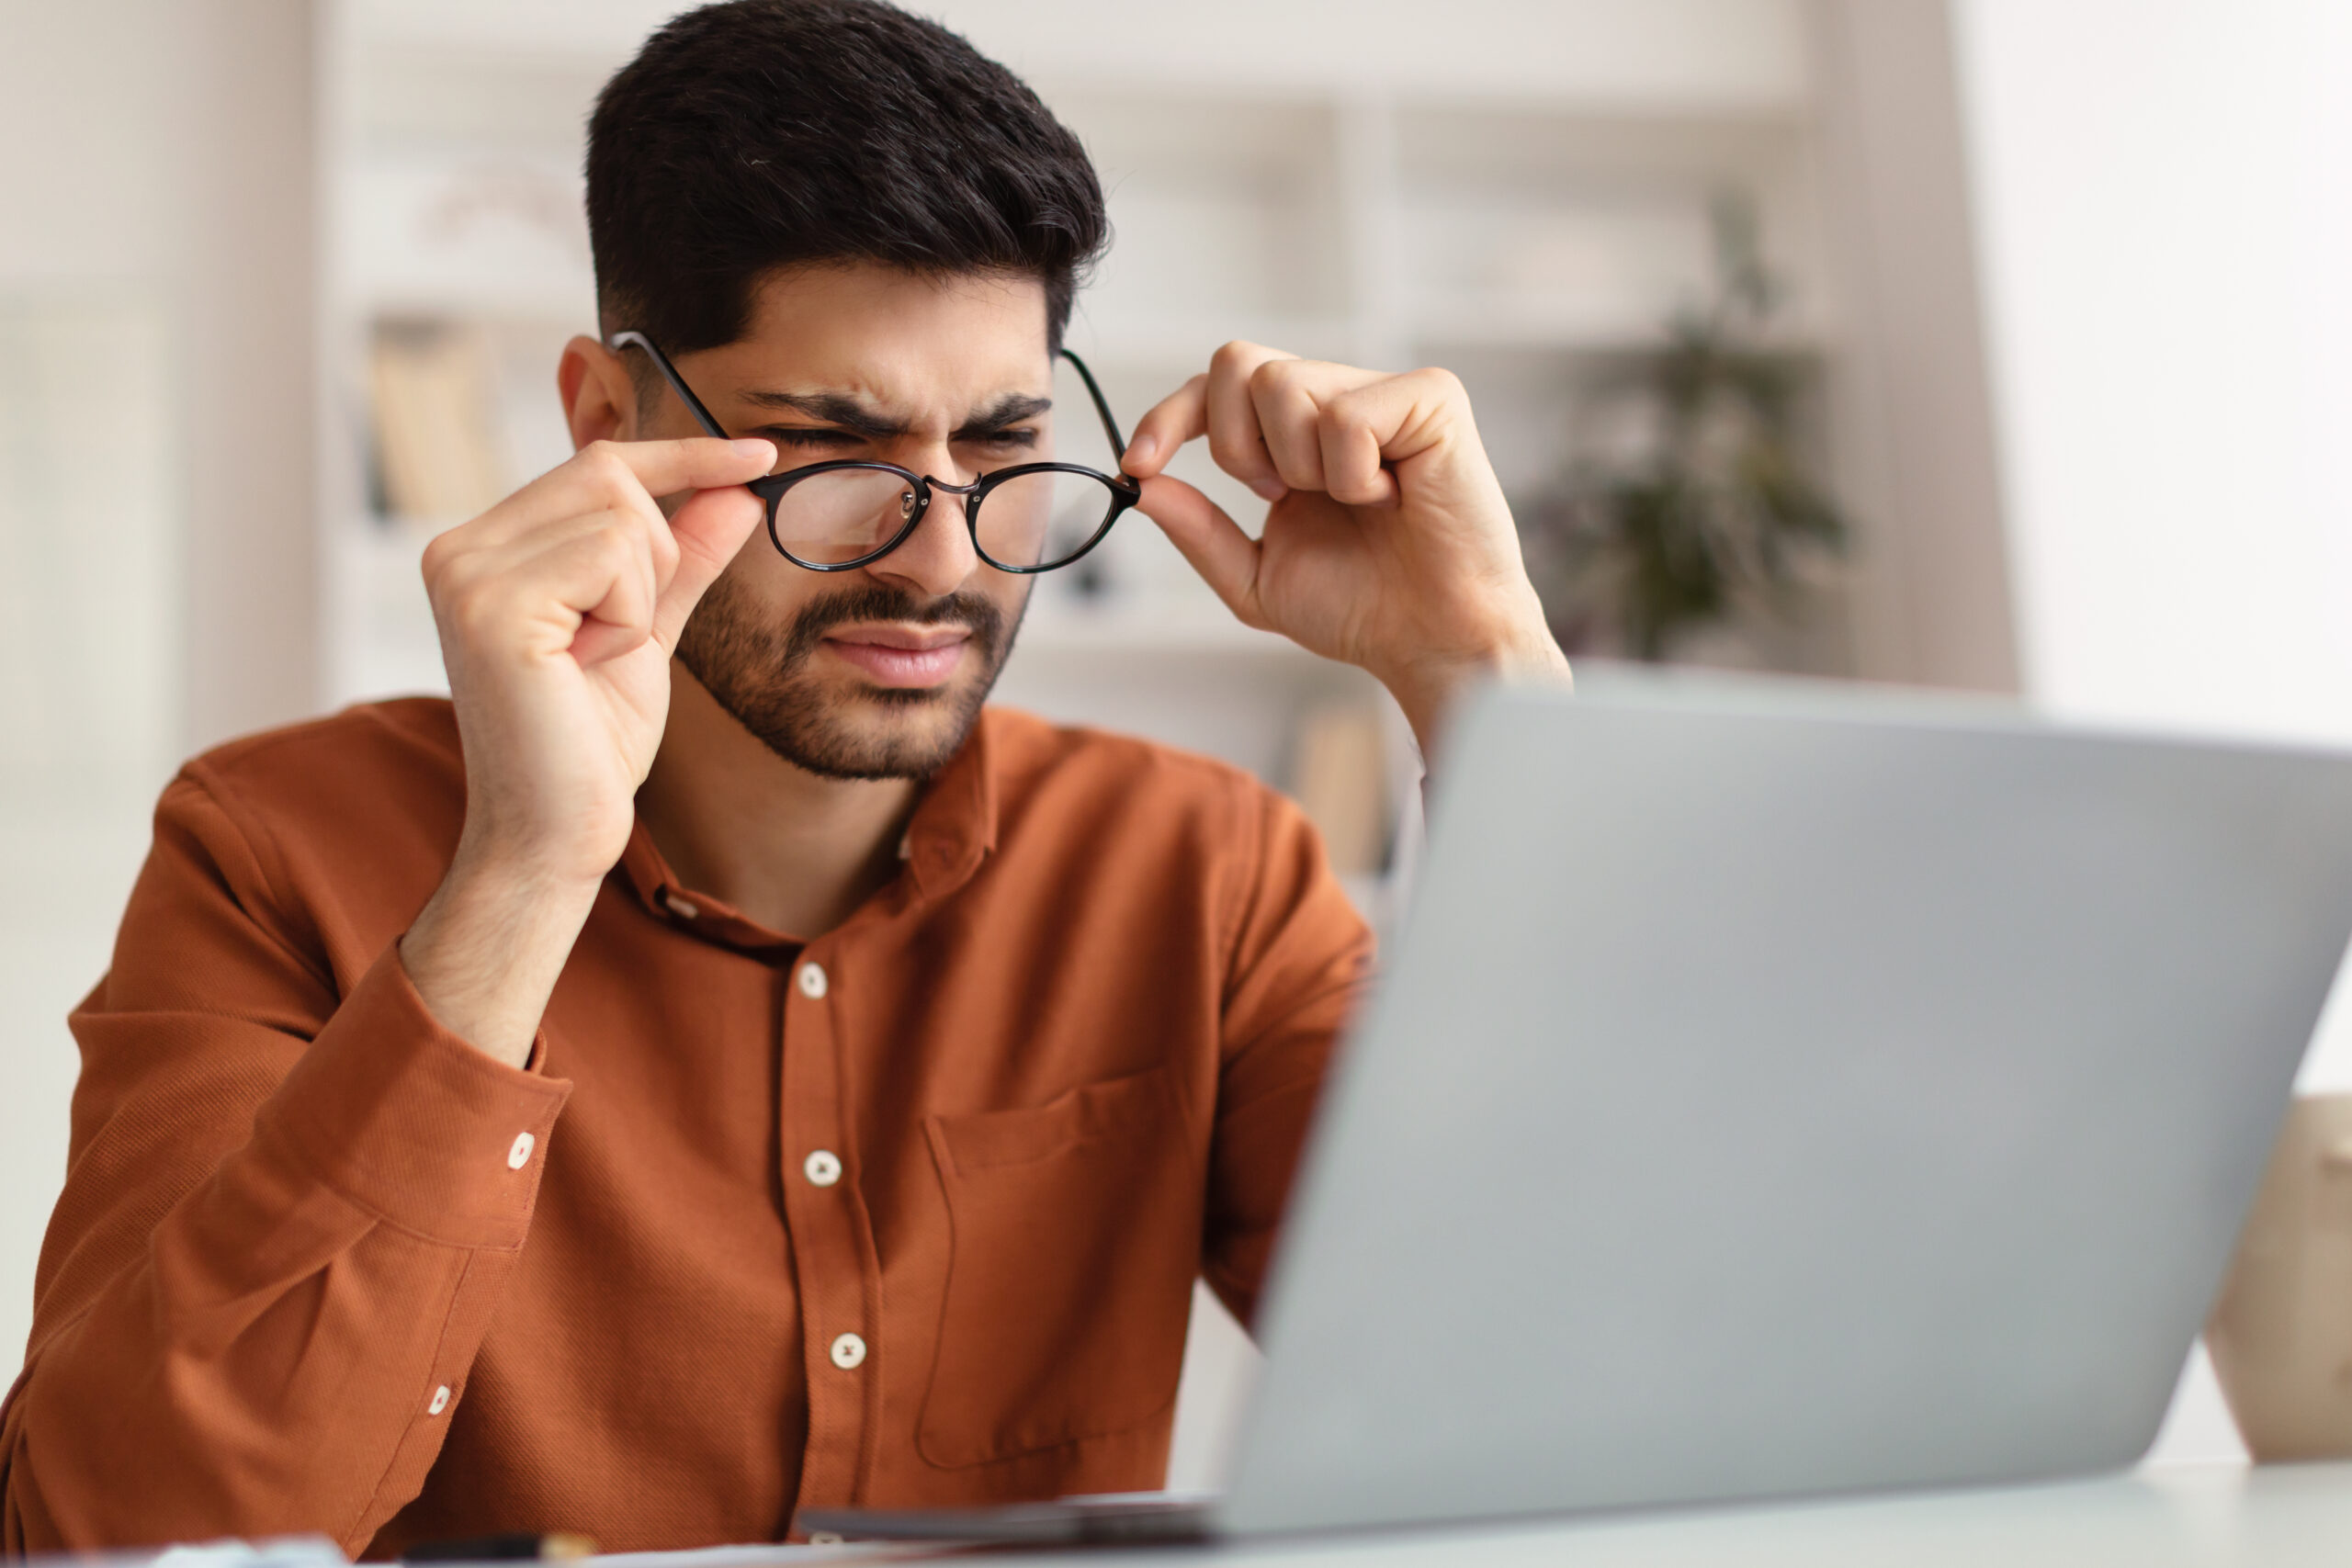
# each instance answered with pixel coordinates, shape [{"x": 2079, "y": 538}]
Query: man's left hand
[{"x": 1388, "y": 544}]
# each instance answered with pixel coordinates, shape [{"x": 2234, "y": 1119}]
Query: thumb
[
  {"x": 1211, "y": 540},
  {"x": 709, "y": 528}
]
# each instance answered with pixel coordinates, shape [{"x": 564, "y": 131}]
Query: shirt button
[
  {"x": 440, "y": 1400},
  {"x": 849, "y": 1352},
  {"x": 519, "y": 1154},
  {"x": 684, "y": 909},
  {"x": 822, "y": 1168},
  {"x": 812, "y": 980}
]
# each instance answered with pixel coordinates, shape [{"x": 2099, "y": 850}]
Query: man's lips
[{"x": 901, "y": 656}]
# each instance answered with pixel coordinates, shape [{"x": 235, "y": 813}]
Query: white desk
[{"x": 2157, "y": 1517}]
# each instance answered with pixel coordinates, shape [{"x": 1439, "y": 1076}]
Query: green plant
[{"x": 1718, "y": 509}]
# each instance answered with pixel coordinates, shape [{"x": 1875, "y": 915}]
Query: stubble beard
[{"x": 759, "y": 672}]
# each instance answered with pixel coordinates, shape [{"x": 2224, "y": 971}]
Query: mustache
[{"x": 880, "y": 602}]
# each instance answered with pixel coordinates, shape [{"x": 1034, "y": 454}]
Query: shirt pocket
[{"x": 1075, "y": 1237}]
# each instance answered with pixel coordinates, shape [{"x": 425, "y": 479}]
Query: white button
[
  {"x": 440, "y": 1400},
  {"x": 848, "y": 1351},
  {"x": 520, "y": 1155},
  {"x": 822, "y": 1168},
  {"x": 824, "y": 1538},
  {"x": 906, "y": 846},
  {"x": 684, "y": 909},
  {"x": 812, "y": 980}
]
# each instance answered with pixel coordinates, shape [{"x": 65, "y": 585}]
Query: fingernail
[
  {"x": 1141, "y": 451},
  {"x": 1270, "y": 490},
  {"x": 763, "y": 450}
]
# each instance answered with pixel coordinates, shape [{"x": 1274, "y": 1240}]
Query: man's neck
[{"x": 794, "y": 852}]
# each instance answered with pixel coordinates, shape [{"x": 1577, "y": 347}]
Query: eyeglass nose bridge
[{"x": 923, "y": 487}]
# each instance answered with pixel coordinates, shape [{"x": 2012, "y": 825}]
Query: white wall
[
  {"x": 2164, "y": 190},
  {"x": 83, "y": 287},
  {"x": 156, "y": 448},
  {"x": 2167, "y": 240}
]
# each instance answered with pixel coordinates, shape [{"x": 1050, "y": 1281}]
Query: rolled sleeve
[{"x": 407, "y": 1121}]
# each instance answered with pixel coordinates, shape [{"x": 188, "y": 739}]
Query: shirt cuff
[{"x": 409, "y": 1121}]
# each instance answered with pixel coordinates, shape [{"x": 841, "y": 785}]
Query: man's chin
[{"x": 862, "y": 730}]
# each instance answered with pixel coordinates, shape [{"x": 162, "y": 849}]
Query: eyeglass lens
[{"x": 1030, "y": 520}]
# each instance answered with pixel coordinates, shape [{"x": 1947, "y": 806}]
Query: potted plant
[{"x": 1712, "y": 515}]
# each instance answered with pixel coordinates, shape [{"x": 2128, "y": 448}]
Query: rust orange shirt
[{"x": 906, "y": 1213}]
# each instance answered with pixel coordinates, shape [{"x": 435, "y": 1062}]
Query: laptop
[{"x": 1776, "y": 1093}]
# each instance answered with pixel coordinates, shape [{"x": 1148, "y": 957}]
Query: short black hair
[{"x": 761, "y": 134}]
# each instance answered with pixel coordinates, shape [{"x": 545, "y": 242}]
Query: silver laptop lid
[{"x": 1772, "y": 1096}]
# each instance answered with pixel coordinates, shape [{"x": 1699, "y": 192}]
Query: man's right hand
[{"x": 558, "y": 610}]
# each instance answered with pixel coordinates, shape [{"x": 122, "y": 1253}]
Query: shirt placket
[{"x": 832, "y": 1236}]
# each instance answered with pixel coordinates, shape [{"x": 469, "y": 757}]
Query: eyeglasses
[{"x": 835, "y": 517}]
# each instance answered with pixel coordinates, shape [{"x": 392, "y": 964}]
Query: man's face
[{"x": 880, "y": 672}]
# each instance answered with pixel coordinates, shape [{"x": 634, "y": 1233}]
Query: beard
[{"x": 759, "y": 672}]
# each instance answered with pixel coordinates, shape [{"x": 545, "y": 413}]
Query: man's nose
[{"x": 937, "y": 557}]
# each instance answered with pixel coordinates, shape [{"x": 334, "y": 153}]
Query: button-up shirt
[{"x": 905, "y": 1213}]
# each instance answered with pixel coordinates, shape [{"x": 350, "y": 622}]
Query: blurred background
[{"x": 1993, "y": 344}]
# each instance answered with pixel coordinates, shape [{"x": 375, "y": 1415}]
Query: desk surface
[
  {"x": 2153, "y": 1518},
  {"x": 2157, "y": 1517}
]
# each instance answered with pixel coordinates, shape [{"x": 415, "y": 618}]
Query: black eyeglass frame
[{"x": 1125, "y": 490}]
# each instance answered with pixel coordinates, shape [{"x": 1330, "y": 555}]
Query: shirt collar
[
  {"x": 954, "y": 822},
  {"x": 953, "y": 830}
]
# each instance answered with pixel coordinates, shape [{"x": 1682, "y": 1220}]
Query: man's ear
[{"x": 599, "y": 398}]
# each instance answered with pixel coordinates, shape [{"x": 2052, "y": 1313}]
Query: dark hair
[{"x": 760, "y": 135}]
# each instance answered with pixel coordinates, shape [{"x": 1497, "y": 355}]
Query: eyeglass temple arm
[
  {"x": 670, "y": 374},
  {"x": 1101, "y": 406}
]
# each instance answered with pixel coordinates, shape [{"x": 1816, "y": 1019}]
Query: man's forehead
[
  {"x": 915, "y": 386},
  {"x": 895, "y": 342}
]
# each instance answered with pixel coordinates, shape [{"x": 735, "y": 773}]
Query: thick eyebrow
[
  {"x": 1007, "y": 410},
  {"x": 841, "y": 410},
  {"x": 832, "y": 408}
]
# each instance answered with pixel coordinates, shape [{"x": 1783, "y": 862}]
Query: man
[{"x": 711, "y": 1067}]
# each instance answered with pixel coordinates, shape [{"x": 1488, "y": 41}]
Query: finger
[
  {"x": 1226, "y": 557},
  {"x": 701, "y": 462},
  {"x": 510, "y": 576},
  {"x": 607, "y": 579},
  {"x": 1283, "y": 398},
  {"x": 1353, "y": 473},
  {"x": 605, "y": 475},
  {"x": 583, "y": 587},
  {"x": 1403, "y": 417},
  {"x": 709, "y": 529},
  {"x": 1234, "y": 439},
  {"x": 1181, "y": 416}
]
